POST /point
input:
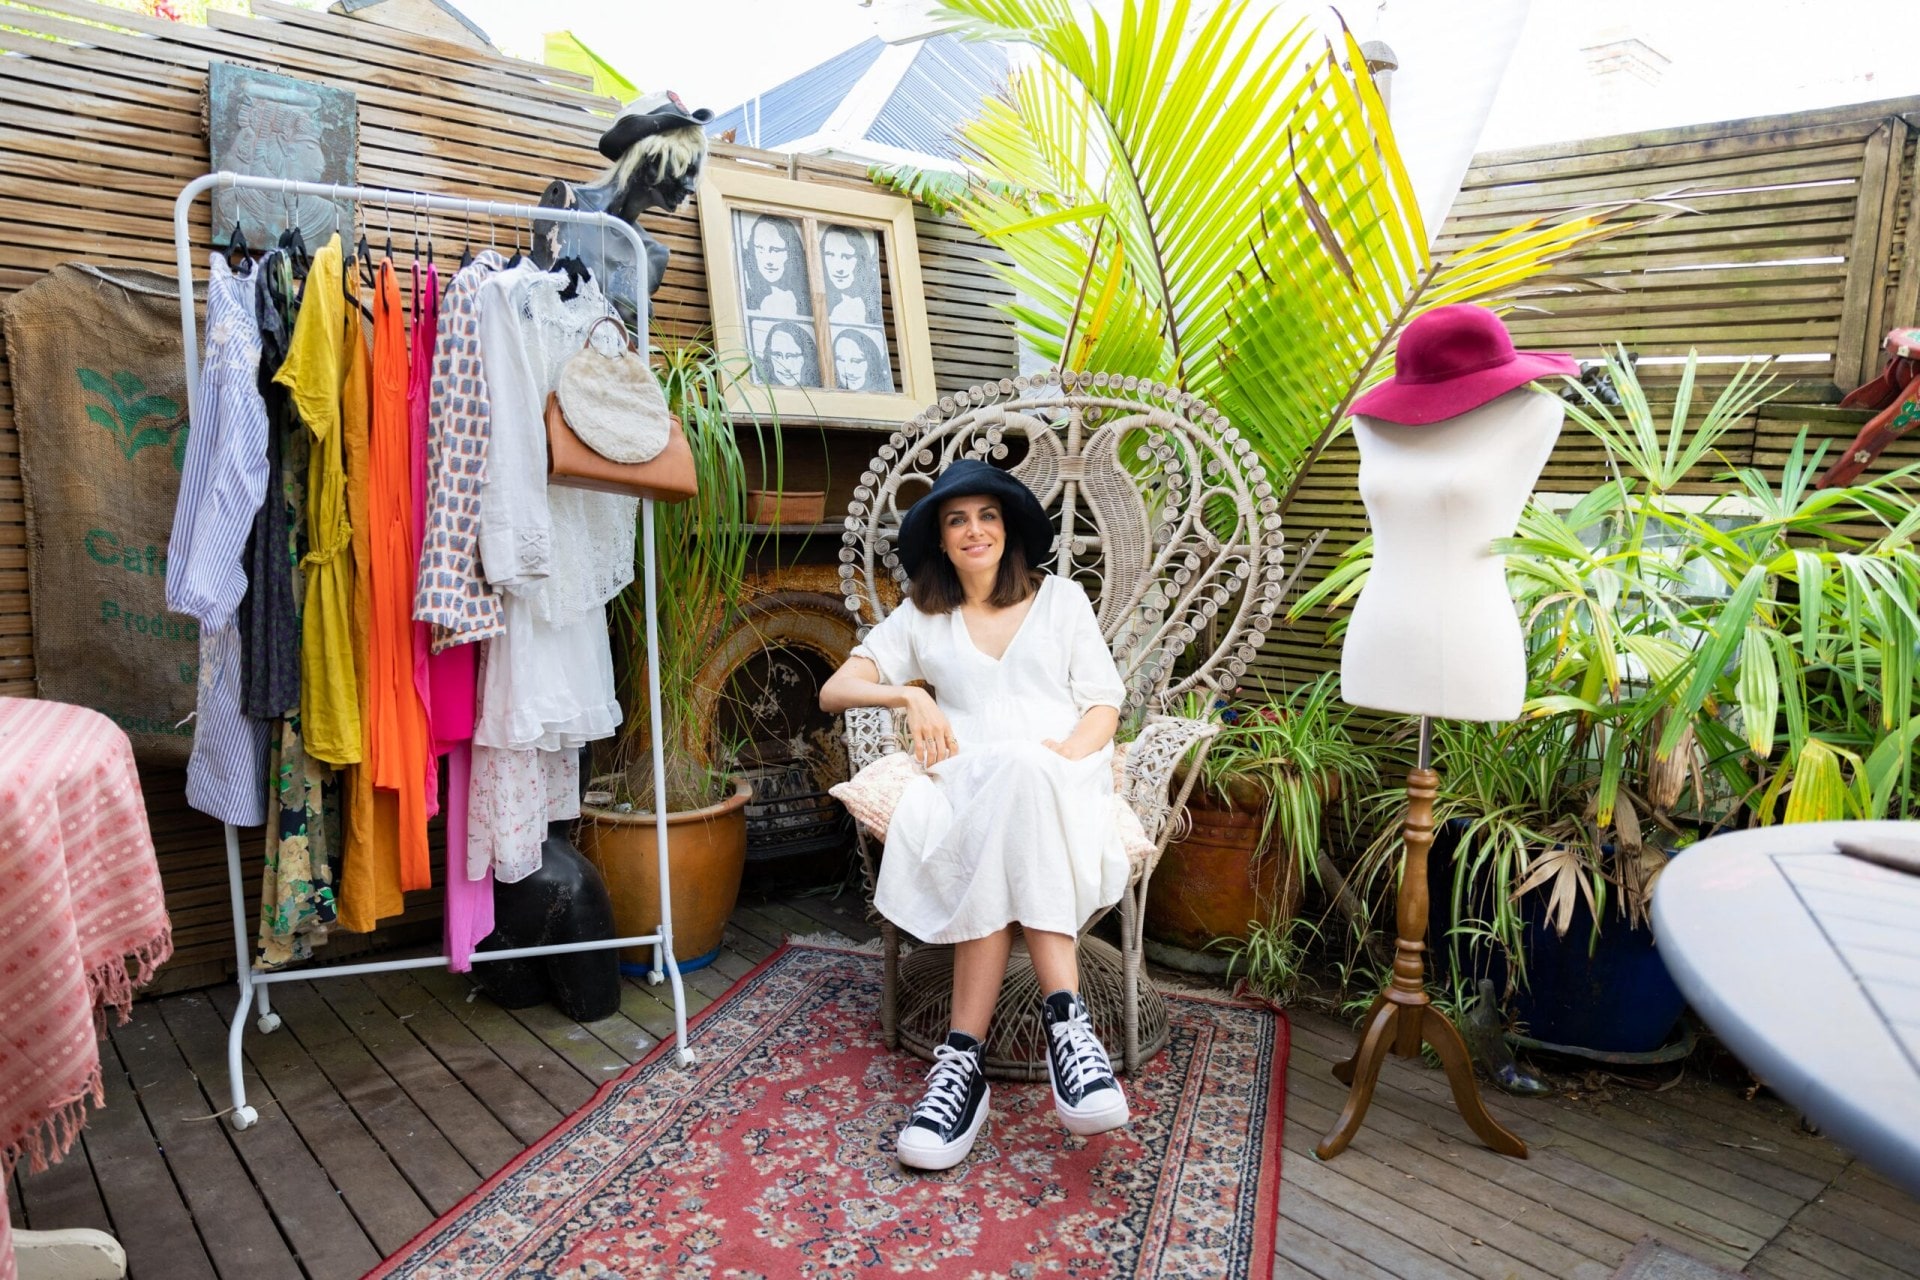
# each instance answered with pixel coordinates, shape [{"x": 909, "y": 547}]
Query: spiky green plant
[
  {"x": 1273, "y": 958},
  {"x": 1298, "y": 755},
  {"x": 701, "y": 551},
  {"x": 1210, "y": 196}
]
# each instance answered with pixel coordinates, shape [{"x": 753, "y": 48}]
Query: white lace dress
[
  {"x": 557, "y": 556},
  {"x": 1006, "y": 830}
]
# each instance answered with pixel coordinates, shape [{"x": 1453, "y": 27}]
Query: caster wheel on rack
[
  {"x": 244, "y": 1118},
  {"x": 268, "y": 1023},
  {"x": 684, "y": 1057},
  {"x": 655, "y": 977}
]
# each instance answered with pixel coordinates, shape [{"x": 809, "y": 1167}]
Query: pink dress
[
  {"x": 446, "y": 680},
  {"x": 426, "y": 314}
]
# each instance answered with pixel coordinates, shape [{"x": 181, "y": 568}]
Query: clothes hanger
[
  {"x": 420, "y": 215},
  {"x": 362, "y": 255},
  {"x": 237, "y": 252},
  {"x": 294, "y": 245},
  {"x": 514, "y": 261},
  {"x": 466, "y": 239},
  {"x": 577, "y": 274},
  {"x": 365, "y": 253}
]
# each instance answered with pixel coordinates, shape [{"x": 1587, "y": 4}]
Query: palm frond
[{"x": 1211, "y": 196}]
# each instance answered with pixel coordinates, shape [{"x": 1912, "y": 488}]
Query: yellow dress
[{"x": 314, "y": 369}]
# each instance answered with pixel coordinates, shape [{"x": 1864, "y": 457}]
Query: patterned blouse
[{"x": 453, "y": 594}]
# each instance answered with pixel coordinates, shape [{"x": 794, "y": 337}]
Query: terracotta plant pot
[
  {"x": 706, "y": 852},
  {"x": 767, "y": 506},
  {"x": 1209, "y": 886}
]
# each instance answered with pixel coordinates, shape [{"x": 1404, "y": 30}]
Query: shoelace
[
  {"x": 1085, "y": 1060},
  {"x": 946, "y": 1086}
]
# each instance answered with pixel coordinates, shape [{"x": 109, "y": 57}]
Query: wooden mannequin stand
[{"x": 1403, "y": 1016}]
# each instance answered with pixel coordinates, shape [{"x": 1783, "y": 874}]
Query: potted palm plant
[
  {"x": 1741, "y": 659},
  {"x": 1180, "y": 208},
  {"x": 701, "y": 549},
  {"x": 1256, "y": 825}
]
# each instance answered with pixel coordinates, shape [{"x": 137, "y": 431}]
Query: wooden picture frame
[{"x": 816, "y": 292}]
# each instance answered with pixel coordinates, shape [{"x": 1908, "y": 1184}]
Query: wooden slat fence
[
  {"x": 1798, "y": 246},
  {"x": 1796, "y": 249},
  {"x": 104, "y": 124}
]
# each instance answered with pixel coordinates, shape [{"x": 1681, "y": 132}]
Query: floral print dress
[{"x": 303, "y": 812}]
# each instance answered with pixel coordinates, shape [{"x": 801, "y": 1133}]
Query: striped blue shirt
[{"x": 223, "y": 481}]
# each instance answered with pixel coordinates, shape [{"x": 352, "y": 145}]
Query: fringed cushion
[{"x": 872, "y": 794}]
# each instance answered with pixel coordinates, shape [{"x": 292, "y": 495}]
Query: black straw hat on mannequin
[
  {"x": 644, "y": 117},
  {"x": 1025, "y": 519}
]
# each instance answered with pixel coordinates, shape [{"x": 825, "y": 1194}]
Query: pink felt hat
[{"x": 1452, "y": 359}]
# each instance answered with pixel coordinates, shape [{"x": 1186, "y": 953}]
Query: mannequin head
[
  {"x": 658, "y": 172},
  {"x": 656, "y": 148}
]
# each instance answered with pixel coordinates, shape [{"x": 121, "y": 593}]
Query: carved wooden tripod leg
[
  {"x": 1365, "y": 1072},
  {"x": 1343, "y": 1071},
  {"x": 1446, "y": 1041}
]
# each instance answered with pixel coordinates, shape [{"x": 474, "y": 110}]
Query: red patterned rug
[{"x": 772, "y": 1157}]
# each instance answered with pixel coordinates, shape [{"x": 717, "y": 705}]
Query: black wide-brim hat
[
  {"x": 1026, "y": 521},
  {"x": 644, "y": 117}
]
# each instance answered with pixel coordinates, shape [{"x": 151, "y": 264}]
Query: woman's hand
[
  {"x": 1094, "y": 731},
  {"x": 931, "y": 732}
]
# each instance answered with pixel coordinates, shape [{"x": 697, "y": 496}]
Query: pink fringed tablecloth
[{"x": 83, "y": 920}]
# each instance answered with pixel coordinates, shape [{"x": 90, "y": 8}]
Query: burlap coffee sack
[{"x": 100, "y": 400}]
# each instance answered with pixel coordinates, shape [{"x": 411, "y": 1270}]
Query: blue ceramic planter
[
  {"x": 1616, "y": 999},
  {"x": 1612, "y": 996}
]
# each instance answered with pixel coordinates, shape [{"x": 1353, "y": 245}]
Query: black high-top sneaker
[
  {"x": 1085, "y": 1092},
  {"x": 949, "y": 1116}
]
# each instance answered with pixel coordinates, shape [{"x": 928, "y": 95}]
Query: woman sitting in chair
[{"x": 1010, "y": 821}]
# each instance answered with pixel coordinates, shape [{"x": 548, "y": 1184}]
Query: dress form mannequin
[
  {"x": 1435, "y": 633},
  {"x": 1449, "y": 451},
  {"x": 656, "y": 148}
]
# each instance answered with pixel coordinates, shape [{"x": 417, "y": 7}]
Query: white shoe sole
[
  {"x": 1087, "y": 1121},
  {"x": 935, "y": 1157}
]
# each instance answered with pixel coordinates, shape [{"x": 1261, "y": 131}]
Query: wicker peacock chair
[{"x": 1167, "y": 518}]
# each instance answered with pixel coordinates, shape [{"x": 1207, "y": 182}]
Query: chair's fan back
[{"x": 1164, "y": 514}]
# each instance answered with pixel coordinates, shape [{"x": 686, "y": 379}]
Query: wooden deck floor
[{"x": 384, "y": 1101}]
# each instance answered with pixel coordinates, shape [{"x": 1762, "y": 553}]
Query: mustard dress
[{"x": 312, "y": 373}]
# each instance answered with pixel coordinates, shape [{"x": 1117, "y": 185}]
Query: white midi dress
[{"x": 1006, "y": 830}]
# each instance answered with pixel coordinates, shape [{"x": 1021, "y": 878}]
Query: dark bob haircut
[{"x": 936, "y": 588}]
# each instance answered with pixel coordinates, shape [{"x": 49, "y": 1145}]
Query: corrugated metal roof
[
  {"x": 941, "y": 90},
  {"x": 801, "y": 105}
]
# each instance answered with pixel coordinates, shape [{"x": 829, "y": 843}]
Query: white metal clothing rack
[{"x": 254, "y": 983}]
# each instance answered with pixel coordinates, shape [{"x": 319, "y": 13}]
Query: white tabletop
[{"x": 1806, "y": 963}]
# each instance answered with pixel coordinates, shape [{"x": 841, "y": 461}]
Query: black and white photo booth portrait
[
  {"x": 773, "y": 266},
  {"x": 784, "y": 354},
  {"x": 850, "y": 261}
]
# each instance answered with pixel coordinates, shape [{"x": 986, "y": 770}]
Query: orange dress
[
  {"x": 370, "y": 861},
  {"x": 397, "y": 741}
]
